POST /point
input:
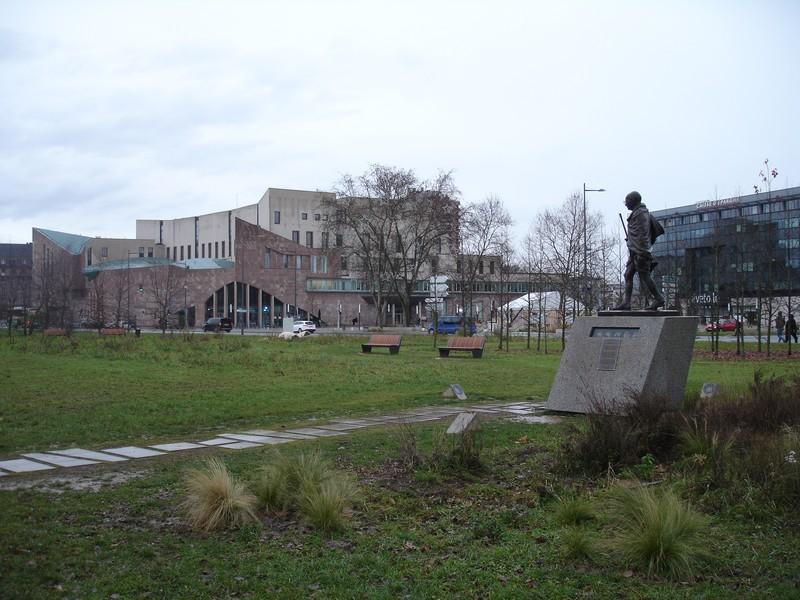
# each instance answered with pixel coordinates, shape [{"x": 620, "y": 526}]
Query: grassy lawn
[{"x": 415, "y": 533}]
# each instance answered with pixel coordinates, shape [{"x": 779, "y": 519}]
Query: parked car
[
  {"x": 724, "y": 325},
  {"x": 301, "y": 326},
  {"x": 218, "y": 324},
  {"x": 450, "y": 324}
]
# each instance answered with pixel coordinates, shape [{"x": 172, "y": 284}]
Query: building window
[
  {"x": 296, "y": 237},
  {"x": 438, "y": 245},
  {"x": 304, "y": 216},
  {"x": 298, "y": 262},
  {"x": 491, "y": 267},
  {"x": 141, "y": 251},
  {"x": 285, "y": 261},
  {"x": 181, "y": 252},
  {"x": 203, "y": 250},
  {"x": 316, "y": 216},
  {"x": 434, "y": 263},
  {"x": 149, "y": 252},
  {"x": 88, "y": 257},
  {"x": 323, "y": 264},
  {"x": 792, "y": 204},
  {"x": 310, "y": 239},
  {"x": 689, "y": 219},
  {"x": 267, "y": 258},
  {"x": 339, "y": 240},
  {"x": 189, "y": 252},
  {"x": 709, "y": 216},
  {"x": 174, "y": 253},
  {"x": 103, "y": 252},
  {"x": 167, "y": 252},
  {"x": 216, "y": 249},
  {"x": 729, "y": 213},
  {"x": 398, "y": 244},
  {"x": 277, "y": 217},
  {"x": 458, "y": 266},
  {"x": 325, "y": 240},
  {"x": 223, "y": 250},
  {"x": 344, "y": 263},
  {"x": 324, "y": 217},
  {"x": 750, "y": 210}
]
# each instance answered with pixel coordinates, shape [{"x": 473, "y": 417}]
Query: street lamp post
[{"x": 586, "y": 248}]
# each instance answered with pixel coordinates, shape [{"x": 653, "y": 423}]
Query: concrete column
[
  {"x": 271, "y": 310},
  {"x": 246, "y": 292},
  {"x": 225, "y": 300},
  {"x": 260, "y": 308},
  {"x": 235, "y": 304}
]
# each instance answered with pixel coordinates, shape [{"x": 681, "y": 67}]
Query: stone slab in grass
[
  {"x": 382, "y": 418},
  {"x": 280, "y": 434},
  {"x": 176, "y": 446},
  {"x": 23, "y": 465},
  {"x": 520, "y": 411},
  {"x": 215, "y": 442},
  {"x": 343, "y": 426},
  {"x": 464, "y": 421},
  {"x": 241, "y": 445},
  {"x": 315, "y": 432},
  {"x": 355, "y": 422},
  {"x": 420, "y": 419},
  {"x": 90, "y": 455},
  {"x": 133, "y": 452},
  {"x": 59, "y": 461},
  {"x": 256, "y": 439},
  {"x": 482, "y": 409}
]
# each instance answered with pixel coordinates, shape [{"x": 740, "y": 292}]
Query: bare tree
[
  {"x": 482, "y": 233},
  {"x": 393, "y": 223},
  {"x": 96, "y": 302},
  {"x": 163, "y": 284}
]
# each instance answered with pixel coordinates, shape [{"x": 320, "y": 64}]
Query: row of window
[
  {"x": 177, "y": 252},
  {"x": 276, "y": 217},
  {"x": 731, "y": 213},
  {"x": 313, "y": 263}
]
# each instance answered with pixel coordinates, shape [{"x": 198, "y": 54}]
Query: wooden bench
[
  {"x": 112, "y": 331},
  {"x": 392, "y": 342},
  {"x": 472, "y": 344},
  {"x": 54, "y": 331}
]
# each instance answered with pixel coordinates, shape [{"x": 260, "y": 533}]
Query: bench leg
[
  {"x": 394, "y": 349},
  {"x": 366, "y": 349},
  {"x": 444, "y": 352},
  {"x": 477, "y": 353}
]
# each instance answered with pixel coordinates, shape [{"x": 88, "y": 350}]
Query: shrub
[
  {"x": 706, "y": 452},
  {"x": 656, "y": 531},
  {"x": 407, "y": 444},
  {"x": 578, "y": 543},
  {"x": 306, "y": 483},
  {"x": 573, "y": 510},
  {"x": 455, "y": 452},
  {"x": 325, "y": 505},
  {"x": 215, "y": 499}
]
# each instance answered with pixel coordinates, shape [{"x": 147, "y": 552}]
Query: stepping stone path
[{"x": 255, "y": 438}]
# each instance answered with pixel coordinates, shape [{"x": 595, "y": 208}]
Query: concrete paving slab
[
  {"x": 176, "y": 446},
  {"x": 520, "y": 411},
  {"x": 420, "y": 419},
  {"x": 342, "y": 426},
  {"x": 215, "y": 442},
  {"x": 383, "y": 418},
  {"x": 241, "y": 445},
  {"x": 133, "y": 452},
  {"x": 23, "y": 465},
  {"x": 354, "y": 421},
  {"x": 89, "y": 455},
  {"x": 59, "y": 461},
  {"x": 315, "y": 432},
  {"x": 280, "y": 434},
  {"x": 256, "y": 439},
  {"x": 488, "y": 411}
]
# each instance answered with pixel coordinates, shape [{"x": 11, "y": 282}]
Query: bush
[
  {"x": 216, "y": 500},
  {"x": 656, "y": 531},
  {"x": 573, "y": 511},
  {"x": 306, "y": 484},
  {"x": 578, "y": 543},
  {"x": 707, "y": 453}
]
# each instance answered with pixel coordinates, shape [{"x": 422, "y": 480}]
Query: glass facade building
[{"x": 730, "y": 255}]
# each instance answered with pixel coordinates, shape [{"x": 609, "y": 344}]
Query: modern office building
[{"x": 731, "y": 256}]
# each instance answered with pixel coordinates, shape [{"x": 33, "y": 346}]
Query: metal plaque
[
  {"x": 614, "y": 332},
  {"x": 609, "y": 352}
]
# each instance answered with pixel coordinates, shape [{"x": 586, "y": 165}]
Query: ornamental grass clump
[
  {"x": 216, "y": 500},
  {"x": 306, "y": 484},
  {"x": 579, "y": 544},
  {"x": 656, "y": 531},
  {"x": 573, "y": 510}
]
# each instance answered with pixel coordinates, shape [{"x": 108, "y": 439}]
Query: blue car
[{"x": 449, "y": 325}]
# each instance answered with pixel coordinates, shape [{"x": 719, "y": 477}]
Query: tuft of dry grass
[{"x": 216, "y": 500}]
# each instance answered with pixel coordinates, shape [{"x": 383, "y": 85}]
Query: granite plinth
[{"x": 609, "y": 360}]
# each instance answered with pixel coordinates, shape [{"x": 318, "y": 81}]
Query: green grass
[
  {"x": 493, "y": 536},
  {"x": 90, "y": 391}
]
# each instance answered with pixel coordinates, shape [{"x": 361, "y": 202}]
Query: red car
[{"x": 725, "y": 325}]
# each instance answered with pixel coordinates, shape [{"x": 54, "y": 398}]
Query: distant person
[
  {"x": 642, "y": 232},
  {"x": 780, "y": 325},
  {"x": 791, "y": 328}
]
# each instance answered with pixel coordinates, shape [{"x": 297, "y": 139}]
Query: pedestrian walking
[
  {"x": 791, "y": 328},
  {"x": 780, "y": 325}
]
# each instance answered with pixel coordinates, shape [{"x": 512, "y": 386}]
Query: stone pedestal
[{"x": 612, "y": 357}]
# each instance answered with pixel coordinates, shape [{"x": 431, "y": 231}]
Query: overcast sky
[{"x": 113, "y": 111}]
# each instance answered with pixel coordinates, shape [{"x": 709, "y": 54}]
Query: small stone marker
[
  {"x": 709, "y": 390},
  {"x": 465, "y": 421},
  {"x": 454, "y": 391}
]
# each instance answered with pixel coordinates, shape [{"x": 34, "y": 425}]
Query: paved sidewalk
[{"x": 76, "y": 457}]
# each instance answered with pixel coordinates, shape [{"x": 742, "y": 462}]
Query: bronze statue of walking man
[{"x": 642, "y": 232}]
